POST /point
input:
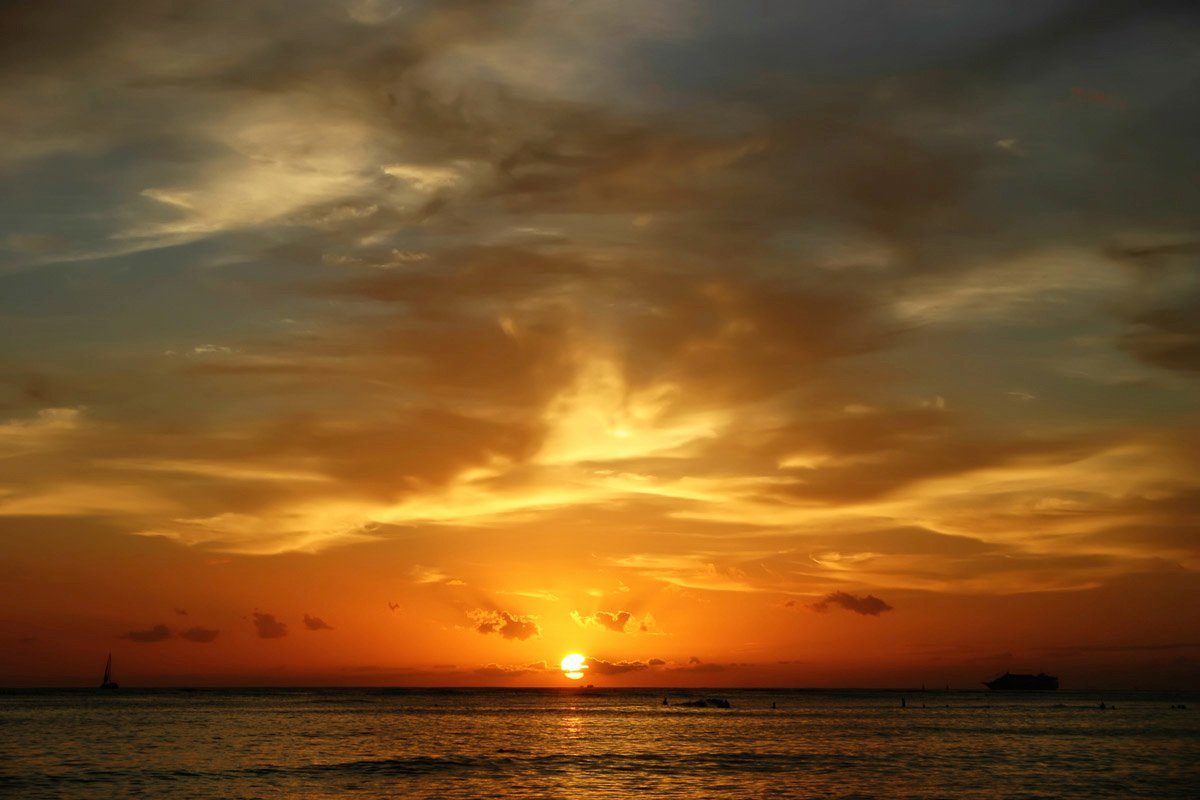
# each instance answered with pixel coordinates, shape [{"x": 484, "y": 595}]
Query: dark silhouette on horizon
[
  {"x": 1020, "y": 682},
  {"x": 108, "y": 682}
]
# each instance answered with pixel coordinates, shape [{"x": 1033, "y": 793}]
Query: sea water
[{"x": 377, "y": 743}]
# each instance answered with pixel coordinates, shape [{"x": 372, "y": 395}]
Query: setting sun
[{"x": 574, "y": 665}]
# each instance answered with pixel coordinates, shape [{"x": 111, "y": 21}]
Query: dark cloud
[
  {"x": 695, "y": 664},
  {"x": 1167, "y": 336},
  {"x": 656, "y": 662},
  {"x": 870, "y": 605},
  {"x": 602, "y": 667},
  {"x": 158, "y": 633},
  {"x": 199, "y": 635},
  {"x": 1156, "y": 257},
  {"x": 316, "y": 624},
  {"x": 510, "y": 626},
  {"x": 887, "y": 450},
  {"x": 267, "y": 627},
  {"x": 181, "y": 612}
]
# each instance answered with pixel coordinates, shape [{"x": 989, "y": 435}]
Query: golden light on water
[{"x": 573, "y": 666}]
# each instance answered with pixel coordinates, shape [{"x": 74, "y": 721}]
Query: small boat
[
  {"x": 108, "y": 682},
  {"x": 1017, "y": 682}
]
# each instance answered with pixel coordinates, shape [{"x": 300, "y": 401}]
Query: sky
[{"x": 772, "y": 343}]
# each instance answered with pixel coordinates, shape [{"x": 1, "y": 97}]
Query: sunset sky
[{"x": 822, "y": 343}]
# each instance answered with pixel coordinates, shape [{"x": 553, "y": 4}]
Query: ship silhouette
[
  {"x": 108, "y": 682},
  {"x": 1016, "y": 681}
]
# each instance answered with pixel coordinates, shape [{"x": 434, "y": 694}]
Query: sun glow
[{"x": 573, "y": 666}]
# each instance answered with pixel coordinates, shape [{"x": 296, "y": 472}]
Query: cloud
[
  {"x": 870, "y": 605},
  {"x": 424, "y": 575},
  {"x": 507, "y": 670},
  {"x": 199, "y": 634},
  {"x": 267, "y": 627},
  {"x": 181, "y": 612},
  {"x": 1121, "y": 648},
  {"x": 158, "y": 633},
  {"x": 533, "y": 594},
  {"x": 316, "y": 624},
  {"x": 695, "y": 664},
  {"x": 534, "y": 266},
  {"x": 616, "y": 621},
  {"x": 602, "y": 667},
  {"x": 497, "y": 671},
  {"x": 509, "y": 626},
  {"x": 1167, "y": 335}
]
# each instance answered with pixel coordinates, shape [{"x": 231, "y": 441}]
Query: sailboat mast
[{"x": 108, "y": 669}]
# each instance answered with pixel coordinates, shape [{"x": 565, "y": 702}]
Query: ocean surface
[{"x": 364, "y": 743}]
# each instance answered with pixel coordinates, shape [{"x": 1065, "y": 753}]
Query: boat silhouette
[
  {"x": 1019, "y": 682},
  {"x": 108, "y": 682}
]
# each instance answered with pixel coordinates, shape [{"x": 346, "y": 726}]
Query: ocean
[{"x": 310, "y": 744}]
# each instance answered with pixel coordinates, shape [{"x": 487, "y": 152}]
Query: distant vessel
[
  {"x": 108, "y": 682},
  {"x": 1012, "y": 680}
]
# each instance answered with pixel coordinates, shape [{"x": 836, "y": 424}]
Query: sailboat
[{"x": 109, "y": 683}]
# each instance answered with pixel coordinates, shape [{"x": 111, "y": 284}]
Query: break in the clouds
[
  {"x": 675, "y": 307},
  {"x": 868, "y": 605},
  {"x": 267, "y": 627}
]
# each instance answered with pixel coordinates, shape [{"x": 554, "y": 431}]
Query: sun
[{"x": 574, "y": 665}]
